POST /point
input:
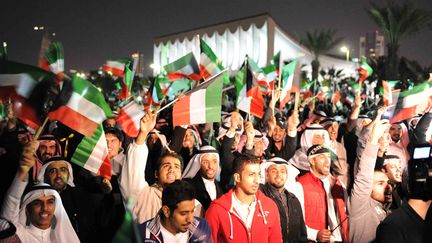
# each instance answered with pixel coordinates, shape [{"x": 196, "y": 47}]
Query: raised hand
[{"x": 147, "y": 123}]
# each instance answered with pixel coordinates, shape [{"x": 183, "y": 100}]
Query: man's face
[
  {"x": 393, "y": 171},
  {"x": 381, "y": 190},
  {"x": 47, "y": 149},
  {"x": 182, "y": 216},
  {"x": 113, "y": 144},
  {"x": 209, "y": 166},
  {"x": 57, "y": 175},
  {"x": 320, "y": 164},
  {"x": 318, "y": 138},
  {"x": 188, "y": 140},
  {"x": 41, "y": 211},
  {"x": 170, "y": 170},
  {"x": 395, "y": 132},
  {"x": 333, "y": 131},
  {"x": 110, "y": 122},
  {"x": 258, "y": 146},
  {"x": 247, "y": 180},
  {"x": 276, "y": 175},
  {"x": 278, "y": 134}
]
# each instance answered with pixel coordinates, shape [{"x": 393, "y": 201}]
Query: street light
[{"x": 347, "y": 51}]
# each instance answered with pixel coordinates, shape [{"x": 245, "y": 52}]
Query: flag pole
[
  {"x": 167, "y": 105},
  {"x": 40, "y": 129},
  {"x": 296, "y": 100}
]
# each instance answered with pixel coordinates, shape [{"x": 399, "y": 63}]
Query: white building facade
[{"x": 259, "y": 37}]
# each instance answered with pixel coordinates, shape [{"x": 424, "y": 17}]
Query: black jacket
[
  {"x": 292, "y": 225},
  {"x": 201, "y": 193}
]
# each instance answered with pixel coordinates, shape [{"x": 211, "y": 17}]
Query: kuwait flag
[
  {"x": 80, "y": 106},
  {"x": 412, "y": 102},
  {"x": 364, "y": 71},
  {"x": 29, "y": 88},
  {"x": 53, "y": 60},
  {"x": 92, "y": 153},
  {"x": 210, "y": 65},
  {"x": 184, "y": 67},
  {"x": 115, "y": 67},
  {"x": 129, "y": 118},
  {"x": 126, "y": 84},
  {"x": 263, "y": 77},
  {"x": 249, "y": 96},
  {"x": 200, "y": 105},
  {"x": 290, "y": 81}
]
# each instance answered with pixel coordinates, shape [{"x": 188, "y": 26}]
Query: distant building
[
  {"x": 258, "y": 36},
  {"x": 372, "y": 45},
  {"x": 140, "y": 66}
]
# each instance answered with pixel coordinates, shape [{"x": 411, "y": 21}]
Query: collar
[{"x": 155, "y": 225}]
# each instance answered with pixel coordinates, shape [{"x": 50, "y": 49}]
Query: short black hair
[
  {"x": 114, "y": 131},
  {"x": 168, "y": 154},
  {"x": 177, "y": 192},
  {"x": 240, "y": 161}
]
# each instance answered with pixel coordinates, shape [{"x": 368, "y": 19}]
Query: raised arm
[
  {"x": 132, "y": 180},
  {"x": 10, "y": 210}
]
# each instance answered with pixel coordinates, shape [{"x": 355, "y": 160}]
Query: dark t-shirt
[{"x": 405, "y": 225}]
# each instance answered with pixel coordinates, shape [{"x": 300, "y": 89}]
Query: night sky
[{"x": 94, "y": 31}]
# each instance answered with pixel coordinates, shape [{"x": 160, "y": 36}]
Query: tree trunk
[
  {"x": 392, "y": 66},
  {"x": 315, "y": 67}
]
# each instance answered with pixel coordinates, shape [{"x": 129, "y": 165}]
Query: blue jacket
[{"x": 199, "y": 231}]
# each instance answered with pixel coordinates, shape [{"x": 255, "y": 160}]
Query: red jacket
[
  {"x": 315, "y": 203},
  {"x": 226, "y": 226}
]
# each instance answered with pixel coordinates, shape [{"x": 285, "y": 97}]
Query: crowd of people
[{"x": 296, "y": 176}]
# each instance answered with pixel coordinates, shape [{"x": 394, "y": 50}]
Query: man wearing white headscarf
[
  {"x": 202, "y": 171},
  {"x": 88, "y": 212},
  {"x": 313, "y": 135},
  {"x": 277, "y": 172},
  {"x": 40, "y": 216}
]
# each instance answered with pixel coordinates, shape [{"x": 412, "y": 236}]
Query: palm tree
[
  {"x": 398, "y": 21},
  {"x": 318, "y": 43}
]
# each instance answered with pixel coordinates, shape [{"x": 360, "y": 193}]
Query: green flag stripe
[
  {"x": 85, "y": 148},
  {"x": 91, "y": 93},
  {"x": 213, "y": 99}
]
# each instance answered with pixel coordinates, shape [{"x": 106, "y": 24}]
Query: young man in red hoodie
[{"x": 244, "y": 214}]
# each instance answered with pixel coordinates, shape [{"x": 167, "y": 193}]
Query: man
[
  {"x": 412, "y": 222},
  {"x": 393, "y": 170},
  {"x": 399, "y": 143},
  {"x": 88, "y": 212},
  {"x": 282, "y": 136},
  {"x": 204, "y": 180},
  {"x": 147, "y": 200},
  {"x": 324, "y": 199},
  {"x": 48, "y": 147},
  {"x": 290, "y": 211},
  {"x": 341, "y": 165},
  {"x": 244, "y": 214},
  {"x": 39, "y": 216},
  {"x": 371, "y": 191},
  {"x": 175, "y": 222}
]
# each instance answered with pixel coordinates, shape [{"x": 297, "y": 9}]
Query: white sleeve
[
  {"x": 133, "y": 172},
  {"x": 10, "y": 210}
]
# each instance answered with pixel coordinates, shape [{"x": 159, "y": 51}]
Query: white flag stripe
[
  {"x": 58, "y": 66},
  {"x": 23, "y": 83},
  {"x": 98, "y": 155},
  {"x": 243, "y": 101},
  {"x": 87, "y": 108},
  {"x": 116, "y": 64},
  {"x": 135, "y": 113},
  {"x": 197, "y": 106},
  {"x": 418, "y": 98}
]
